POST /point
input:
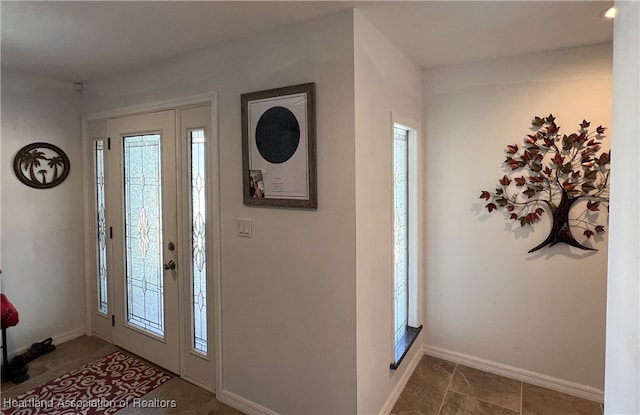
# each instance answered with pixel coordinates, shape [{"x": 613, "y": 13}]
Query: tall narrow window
[
  {"x": 198, "y": 238},
  {"x": 101, "y": 243},
  {"x": 405, "y": 239},
  {"x": 400, "y": 225}
]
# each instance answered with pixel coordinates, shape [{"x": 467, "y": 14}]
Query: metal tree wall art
[
  {"x": 551, "y": 173},
  {"x": 41, "y": 165}
]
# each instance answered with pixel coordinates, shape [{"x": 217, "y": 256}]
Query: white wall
[
  {"x": 42, "y": 229},
  {"x": 288, "y": 293},
  {"x": 485, "y": 296},
  {"x": 622, "y": 384},
  {"x": 386, "y": 82}
]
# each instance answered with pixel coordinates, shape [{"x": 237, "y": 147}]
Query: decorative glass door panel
[
  {"x": 198, "y": 238},
  {"x": 143, "y": 232},
  {"x": 101, "y": 243}
]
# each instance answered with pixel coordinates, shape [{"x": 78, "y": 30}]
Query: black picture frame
[{"x": 279, "y": 147}]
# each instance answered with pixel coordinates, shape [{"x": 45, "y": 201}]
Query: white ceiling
[{"x": 85, "y": 40}]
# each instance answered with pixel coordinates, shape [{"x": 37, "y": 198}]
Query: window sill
[{"x": 404, "y": 344}]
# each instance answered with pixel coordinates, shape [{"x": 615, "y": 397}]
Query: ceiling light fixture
[{"x": 610, "y": 13}]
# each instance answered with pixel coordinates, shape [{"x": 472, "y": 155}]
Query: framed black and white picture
[{"x": 279, "y": 147}]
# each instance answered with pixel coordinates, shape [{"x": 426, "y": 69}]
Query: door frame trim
[
  {"x": 213, "y": 198},
  {"x": 160, "y": 105}
]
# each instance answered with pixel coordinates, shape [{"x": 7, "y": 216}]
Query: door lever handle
[{"x": 169, "y": 265}]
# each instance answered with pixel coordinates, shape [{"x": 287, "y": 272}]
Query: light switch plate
[{"x": 243, "y": 227}]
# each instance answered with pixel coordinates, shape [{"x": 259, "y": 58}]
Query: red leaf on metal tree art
[
  {"x": 553, "y": 128},
  {"x": 568, "y": 186},
  {"x": 514, "y": 165}
]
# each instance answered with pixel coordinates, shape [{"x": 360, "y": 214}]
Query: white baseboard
[
  {"x": 242, "y": 404},
  {"x": 57, "y": 339},
  {"x": 70, "y": 335},
  {"x": 397, "y": 391},
  {"x": 251, "y": 408},
  {"x": 538, "y": 379}
]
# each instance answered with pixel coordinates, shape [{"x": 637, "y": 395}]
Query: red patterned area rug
[{"x": 98, "y": 388}]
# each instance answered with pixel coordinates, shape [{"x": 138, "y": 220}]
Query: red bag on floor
[{"x": 9, "y": 313}]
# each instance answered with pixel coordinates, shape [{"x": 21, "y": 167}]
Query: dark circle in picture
[{"x": 277, "y": 135}]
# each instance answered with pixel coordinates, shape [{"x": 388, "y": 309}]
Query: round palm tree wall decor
[{"x": 41, "y": 165}]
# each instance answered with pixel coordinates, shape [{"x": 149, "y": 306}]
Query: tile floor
[{"x": 437, "y": 387}]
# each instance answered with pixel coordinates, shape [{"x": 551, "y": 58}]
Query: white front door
[
  {"x": 144, "y": 205},
  {"x": 154, "y": 230}
]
